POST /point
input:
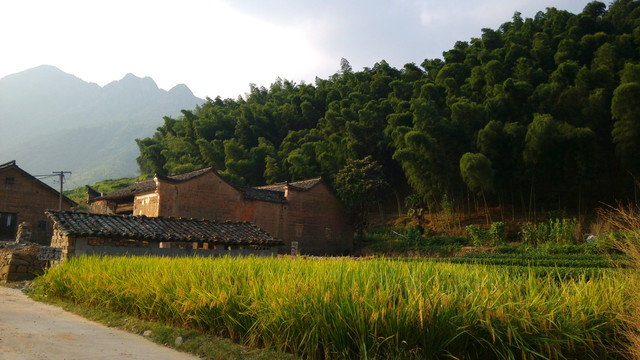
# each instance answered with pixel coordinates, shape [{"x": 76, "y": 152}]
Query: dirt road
[{"x": 30, "y": 330}]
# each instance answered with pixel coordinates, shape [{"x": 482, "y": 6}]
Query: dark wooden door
[{"x": 8, "y": 226}]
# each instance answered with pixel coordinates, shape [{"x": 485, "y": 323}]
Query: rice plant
[
  {"x": 346, "y": 309},
  {"x": 625, "y": 222}
]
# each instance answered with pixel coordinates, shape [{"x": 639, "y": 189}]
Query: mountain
[{"x": 52, "y": 121}]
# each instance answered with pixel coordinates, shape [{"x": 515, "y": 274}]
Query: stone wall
[{"x": 23, "y": 264}]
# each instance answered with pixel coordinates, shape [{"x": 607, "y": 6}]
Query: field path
[{"x": 30, "y": 330}]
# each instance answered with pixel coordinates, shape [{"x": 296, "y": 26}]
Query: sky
[{"x": 218, "y": 47}]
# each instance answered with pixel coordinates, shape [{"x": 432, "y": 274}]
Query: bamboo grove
[{"x": 542, "y": 111}]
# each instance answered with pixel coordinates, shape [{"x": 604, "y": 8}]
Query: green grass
[{"x": 340, "y": 308}]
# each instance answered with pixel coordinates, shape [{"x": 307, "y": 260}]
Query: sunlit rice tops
[{"x": 340, "y": 308}]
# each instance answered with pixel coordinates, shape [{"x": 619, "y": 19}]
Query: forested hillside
[{"x": 542, "y": 112}]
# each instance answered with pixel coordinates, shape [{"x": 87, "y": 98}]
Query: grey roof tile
[
  {"x": 301, "y": 185},
  {"x": 160, "y": 229}
]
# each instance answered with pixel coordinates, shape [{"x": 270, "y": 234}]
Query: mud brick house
[
  {"x": 92, "y": 234},
  {"x": 305, "y": 214},
  {"x": 23, "y": 198}
]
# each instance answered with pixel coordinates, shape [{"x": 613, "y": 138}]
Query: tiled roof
[
  {"x": 129, "y": 191},
  {"x": 12, "y": 165},
  {"x": 91, "y": 192},
  {"x": 263, "y": 195},
  {"x": 160, "y": 229},
  {"x": 185, "y": 176},
  {"x": 301, "y": 185},
  {"x": 149, "y": 185}
]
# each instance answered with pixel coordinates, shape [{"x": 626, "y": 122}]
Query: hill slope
[{"x": 53, "y": 121}]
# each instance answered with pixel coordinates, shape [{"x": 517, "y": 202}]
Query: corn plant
[
  {"x": 494, "y": 236},
  {"x": 557, "y": 231}
]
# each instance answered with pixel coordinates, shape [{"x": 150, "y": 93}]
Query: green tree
[
  {"x": 359, "y": 185},
  {"x": 626, "y": 113},
  {"x": 477, "y": 173}
]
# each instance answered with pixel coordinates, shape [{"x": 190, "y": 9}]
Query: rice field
[{"x": 362, "y": 309}]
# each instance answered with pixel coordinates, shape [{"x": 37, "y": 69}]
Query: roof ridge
[
  {"x": 8, "y": 164},
  {"x": 291, "y": 183},
  {"x": 185, "y": 176}
]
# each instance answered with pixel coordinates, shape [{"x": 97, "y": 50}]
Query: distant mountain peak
[
  {"x": 132, "y": 77},
  {"x": 42, "y": 73},
  {"x": 181, "y": 89},
  {"x": 71, "y": 108},
  {"x": 43, "y": 68},
  {"x": 134, "y": 83}
]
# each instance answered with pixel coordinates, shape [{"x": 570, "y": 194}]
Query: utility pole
[{"x": 61, "y": 175}]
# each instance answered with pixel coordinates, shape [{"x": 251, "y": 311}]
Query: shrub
[
  {"x": 497, "y": 232},
  {"x": 479, "y": 237},
  {"x": 494, "y": 236},
  {"x": 414, "y": 236}
]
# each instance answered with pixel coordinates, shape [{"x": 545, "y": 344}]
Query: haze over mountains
[{"x": 53, "y": 121}]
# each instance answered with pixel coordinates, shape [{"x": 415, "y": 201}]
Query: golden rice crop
[{"x": 341, "y": 308}]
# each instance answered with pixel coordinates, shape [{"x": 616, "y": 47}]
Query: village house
[
  {"x": 305, "y": 215},
  {"x": 78, "y": 233},
  {"x": 23, "y": 198}
]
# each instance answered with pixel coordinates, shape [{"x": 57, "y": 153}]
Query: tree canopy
[{"x": 549, "y": 102}]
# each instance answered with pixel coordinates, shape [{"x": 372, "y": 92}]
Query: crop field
[{"x": 379, "y": 308}]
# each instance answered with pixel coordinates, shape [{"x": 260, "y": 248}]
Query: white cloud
[{"x": 218, "y": 47}]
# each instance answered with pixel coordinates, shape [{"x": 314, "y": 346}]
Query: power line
[{"x": 60, "y": 174}]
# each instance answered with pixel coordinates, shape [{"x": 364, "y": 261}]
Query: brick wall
[
  {"x": 27, "y": 198},
  {"x": 315, "y": 218},
  {"x": 269, "y": 216},
  {"x": 66, "y": 243}
]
